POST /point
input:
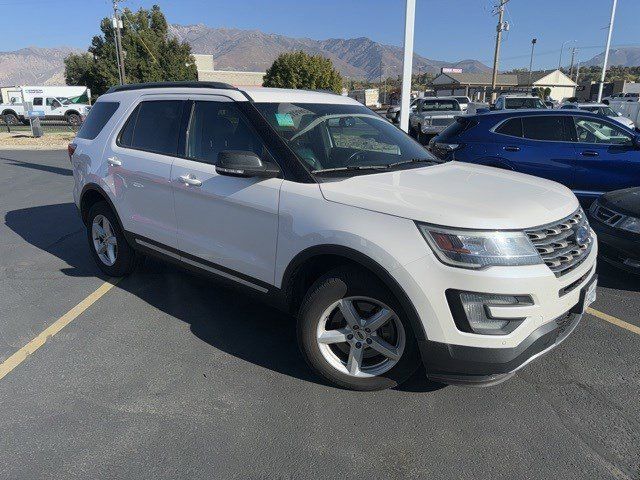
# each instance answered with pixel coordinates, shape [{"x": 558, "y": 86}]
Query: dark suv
[{"x": 586, "y": 152}]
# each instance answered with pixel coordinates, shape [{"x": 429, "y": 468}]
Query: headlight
[
  {"x": 631, "y": 224},
  {"x": 469, "y": 249}
]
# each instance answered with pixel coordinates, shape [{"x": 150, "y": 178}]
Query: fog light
[{"x": 470, "y": 311}]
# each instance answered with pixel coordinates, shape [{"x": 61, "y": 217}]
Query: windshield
[
  {"x": 440, "y": 105},
  {"x": 326, "y": 136},
  {"x": 607, "y": 111},
  {"x": 516, "y": 103}
]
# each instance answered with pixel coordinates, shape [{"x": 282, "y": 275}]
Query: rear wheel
[
  {"x": 353, "y": 333},
  {"x": 109, "y": 248}
]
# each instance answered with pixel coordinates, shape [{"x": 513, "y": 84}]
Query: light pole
[
  {"x": 533, "y": 44},
  {"x": 561, "y": 49},
  {"x": 407, "y": 63},
  {"x": 606, "y": 51}
]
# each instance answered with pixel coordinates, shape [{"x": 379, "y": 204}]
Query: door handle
[
  {"x": 511, "y": 148},
  {"x": 114, "y": 162},
  {"x": 191, "y": 180},
  {"x": 590, "y": 153}
]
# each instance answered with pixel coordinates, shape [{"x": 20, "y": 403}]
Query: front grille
[
  {"x": 563, "y": 245},
  {"x": 442, "y": 121},
  {"x": 605, "y": 215}
]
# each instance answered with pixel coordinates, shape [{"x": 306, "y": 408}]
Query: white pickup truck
[{"x": 49, "y": 105}]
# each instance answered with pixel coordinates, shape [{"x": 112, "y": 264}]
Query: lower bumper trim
[{"x": 463, "y": 365}]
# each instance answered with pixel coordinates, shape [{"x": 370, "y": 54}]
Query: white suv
[{"x": 388, "y": 257}]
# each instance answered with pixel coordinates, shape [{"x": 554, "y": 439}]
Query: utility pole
[
  {"x": 573, "y": 57},
  {"x": 606, "y": 51},
  {"x": 533, "y": 44},
  {"x": 496, "y": 56},
  {"x": 117, "y": 25}
]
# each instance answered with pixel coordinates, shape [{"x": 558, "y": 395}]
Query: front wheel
[
  {"x": 353, "y": 332},
  {"x": 11, "y": 119},
  {"x": 74, "y": 119}
]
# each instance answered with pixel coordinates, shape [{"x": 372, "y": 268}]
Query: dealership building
[
  {"x": 207, "y": 72},
  {"x": 477, "y": 86}
]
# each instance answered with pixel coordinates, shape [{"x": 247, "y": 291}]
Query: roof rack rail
[{"x": 186, "y": 84}]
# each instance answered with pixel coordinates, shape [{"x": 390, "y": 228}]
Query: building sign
[{"x": 450, "y": 70}]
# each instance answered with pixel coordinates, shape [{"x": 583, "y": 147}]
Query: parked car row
[{"x": 388, "y": 256}]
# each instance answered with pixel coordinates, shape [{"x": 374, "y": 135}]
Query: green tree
[
  {"x": 151, "y": 54},
  {"x": 301, "y": 70}
]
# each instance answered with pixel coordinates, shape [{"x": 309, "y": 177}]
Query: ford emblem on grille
[{"x": 582, "y": 234}]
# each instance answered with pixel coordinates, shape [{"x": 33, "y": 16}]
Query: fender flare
[
  {"x": 98, "y": 189},
  {"x": 365, "y": 261}
]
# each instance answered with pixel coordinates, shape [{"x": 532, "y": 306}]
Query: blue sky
[{"x": 445, "y": 29}]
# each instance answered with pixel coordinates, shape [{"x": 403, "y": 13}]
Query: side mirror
[{"x": 239, "y": 163}]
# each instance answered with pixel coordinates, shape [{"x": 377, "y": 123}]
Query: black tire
[
  {"x": 127, "y": 258},
  {"x": 351, "y": 282},
  {"x": 73, "y": 119},
  {"x": 11, "y": 119}
]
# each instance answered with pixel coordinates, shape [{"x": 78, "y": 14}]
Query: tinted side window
[
  {"x": 512, "y": 127},
  {"x": 157, "y": 127},
  {"x": 544, "y": 128},
  {"x": 218, "y": 126},
  {"x": 125, "y": 138},
  {"x": 37, "y": 101},
  {"x": 98, "y": 117},
  {"x": 590, "y": 130}
]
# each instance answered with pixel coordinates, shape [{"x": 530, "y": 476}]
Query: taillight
[{"x": 71, "y": 148}]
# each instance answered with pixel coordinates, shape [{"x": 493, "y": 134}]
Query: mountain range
[{"x": 253, "y": 50}]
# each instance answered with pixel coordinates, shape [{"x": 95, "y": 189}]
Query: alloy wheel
[
  {"x": 360, "y": 337},
  {"x": 104, "y": 240}
]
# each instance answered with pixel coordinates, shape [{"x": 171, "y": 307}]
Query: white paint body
[{"x": 256, "y": 227}]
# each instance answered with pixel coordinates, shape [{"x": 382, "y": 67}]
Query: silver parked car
[
  {"x": 432, "y": 115},
  {"x": 601, "y": 109}
]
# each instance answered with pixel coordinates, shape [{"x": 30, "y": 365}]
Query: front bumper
[
  {"x": 618, "y": 247},
  {"x": 462, "y": 365},
  {"x": 455, "y": 356}
]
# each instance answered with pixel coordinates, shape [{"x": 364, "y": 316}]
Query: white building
[
  {"x": 478, "y": 85},
  {"x": 207, "y": 72}
]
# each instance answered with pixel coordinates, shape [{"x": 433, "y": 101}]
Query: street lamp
[{"x": 561, "y": 49}]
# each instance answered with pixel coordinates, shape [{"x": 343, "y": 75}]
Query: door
[
  {"x": 53, "y": 108},
  {"x": 228, "y": 221},
  {"x": 606, "y": 157},
  {"x": 538, "y": 146},
  {"x": 139, "y": 168}
]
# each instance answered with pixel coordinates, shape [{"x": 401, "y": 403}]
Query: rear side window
[
  {"x": 544, "y": 128},
  {"x": 512, "y": 127},
  {"x": 154, "y": 126},
  {"x": 37, "y": 102},
  {"x": 98, "y": 117}
]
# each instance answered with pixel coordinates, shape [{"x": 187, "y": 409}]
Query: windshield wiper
[
  {"x": 350, "y": 167},
  {"x": 413, "y": 160}
]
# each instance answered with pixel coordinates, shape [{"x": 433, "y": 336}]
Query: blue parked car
[{"x": 586, "y": 152}]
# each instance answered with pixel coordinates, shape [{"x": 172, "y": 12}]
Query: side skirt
[{"x": 257, "y": 288}]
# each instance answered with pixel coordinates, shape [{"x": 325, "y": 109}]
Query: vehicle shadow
[
  {"x": 67, "y": 172},
  {"x": 225, "y": 317}
]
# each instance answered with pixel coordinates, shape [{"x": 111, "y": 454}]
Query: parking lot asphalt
[{"x": 168, "y": 375}]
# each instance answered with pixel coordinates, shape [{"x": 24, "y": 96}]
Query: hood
[
  {"x": 625, "y": 201},
  {"x": 458, "y": 195}
]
